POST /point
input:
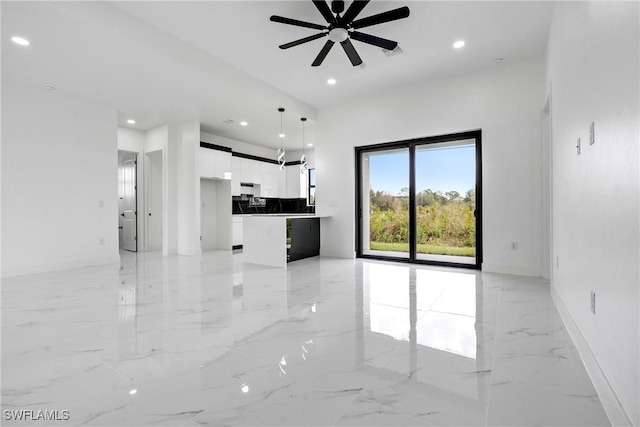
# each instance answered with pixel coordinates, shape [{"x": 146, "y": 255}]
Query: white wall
[
  {"x": 59, "y": 182},
  {"x": 188, "y": 224},
  {"x": 131, "y": 140},
  {"x": 504, "y": 101},
  {"x": 153, "y": 212},
  {"x": 593, "y": 71}
]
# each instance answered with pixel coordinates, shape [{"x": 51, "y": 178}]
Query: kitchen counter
[{"x": 265, "y": 238}]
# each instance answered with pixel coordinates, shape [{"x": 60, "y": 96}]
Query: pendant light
[
  {"x": 281, "y": 152},
  {"x": 303, "y": 159}
]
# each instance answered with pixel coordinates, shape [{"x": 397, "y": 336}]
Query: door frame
[
  {"x": 411, "y": 145},
  {"x": 135, "y": 196}
]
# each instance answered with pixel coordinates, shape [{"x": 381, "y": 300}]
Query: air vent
[
  {"x": 397, "y": 51},
  {"x": 228, "y": 121}
]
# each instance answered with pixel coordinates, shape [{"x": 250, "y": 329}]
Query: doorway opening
[
  {"x": 127, "y": 200},
  {"x": 421, "y": 200}
]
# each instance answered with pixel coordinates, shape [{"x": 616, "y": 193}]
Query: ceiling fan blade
[
  {"x": 301, "y": 41},
  {"x": 380, "y": 18},
  {"x": 323, "y": 7},
  {"x": 289, "y": 21},
  {"x": 376, "y": 41},
  {"x": 351, "y": 52},
  {"x": 354, "y": 10},
  {"x": 323, "y": 53}
]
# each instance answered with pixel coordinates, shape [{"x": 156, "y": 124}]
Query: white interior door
[{"x": 129, "y": 222}]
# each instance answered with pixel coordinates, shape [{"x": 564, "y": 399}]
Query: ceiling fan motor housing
[
  {"x": 338, "y": 35},
  {"x": 337, "y": 6}
]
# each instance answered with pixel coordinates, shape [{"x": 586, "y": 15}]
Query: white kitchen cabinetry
[
  {"x": 296, "y": 183},
  {"x": 237, "y": 230},
  {"x": 223, "y": 164},
  {"x": 236, "y": 167},
  {"x": 246, "y": 170},
  {"x": 214, "y": 164},
  {"x": 281, "y": 179},
  {"x": 269, "y": 180}
]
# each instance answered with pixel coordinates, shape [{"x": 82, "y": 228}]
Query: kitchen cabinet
[
  {"x": 281, "y": 190},
  {"x": 223, "y": 164},
  {"x": 296, "y": 182},
  {"x": 236, "y": 165},
  {"x": 214, "y": 163},
  {"x": 237, "y": 231},
  {"x": 245, "y": 172}
]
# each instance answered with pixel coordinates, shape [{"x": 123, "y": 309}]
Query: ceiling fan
[{"x": 341, "y": 29}]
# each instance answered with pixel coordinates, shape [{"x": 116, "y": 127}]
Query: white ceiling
[{"x": 167, "y": 62}]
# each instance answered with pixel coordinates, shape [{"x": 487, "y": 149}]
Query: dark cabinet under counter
[{"x": 304, "y": 234}]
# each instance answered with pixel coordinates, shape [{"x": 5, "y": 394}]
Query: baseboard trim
[
  {"x": 46, "y": 268},
  {"x": 613, "y": 406},
  {"x": 517, "y": 270}
]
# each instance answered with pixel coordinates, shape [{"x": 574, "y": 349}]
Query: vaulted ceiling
[{"x": 166, "y": 62}]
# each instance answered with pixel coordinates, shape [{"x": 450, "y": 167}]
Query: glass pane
[
  {"x": 445, "y": 202},
  {"x": 312, "y": 196},
  {"x": 312, "y": 177},
  {"x": 385, "y": 208}
]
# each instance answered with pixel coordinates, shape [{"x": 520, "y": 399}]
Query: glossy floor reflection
[{"x": 187, "y": 341}]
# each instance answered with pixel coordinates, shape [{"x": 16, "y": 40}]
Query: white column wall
[
  {"x": 188, "y": 197},
  {"x": 59, "y": 182},
  {"x": 594, "y": 73}
]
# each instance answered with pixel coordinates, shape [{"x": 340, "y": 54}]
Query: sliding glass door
[
  {"x": 446, "y": 201},
  {"x": 385, "y": 192},
  {"x": 420, "y": 200}
]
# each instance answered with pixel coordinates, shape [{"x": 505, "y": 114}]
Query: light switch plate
[
  {"x": 592, "y": 136},
  {"x": 578, "y": 146}
]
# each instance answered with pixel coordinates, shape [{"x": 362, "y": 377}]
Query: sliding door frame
[{"x": 411, "y": 144}]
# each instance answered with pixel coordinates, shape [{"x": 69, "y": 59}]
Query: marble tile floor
[{"x": 211, "y": 341}]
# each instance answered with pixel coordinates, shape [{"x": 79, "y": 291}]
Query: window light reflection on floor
[{"x": 444, "y": 304}]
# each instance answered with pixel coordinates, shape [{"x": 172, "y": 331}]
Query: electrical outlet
[
  {"x": 593, "y": 302},
  {"x": 101, "y": 203},
  {"x": 101, "y": 241},
  {"x": 514, "y": 246}
]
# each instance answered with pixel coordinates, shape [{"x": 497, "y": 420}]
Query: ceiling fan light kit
[{"x": 341, "y": 29}]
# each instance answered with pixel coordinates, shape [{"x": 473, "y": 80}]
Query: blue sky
[{"x": 440, "y": 169}]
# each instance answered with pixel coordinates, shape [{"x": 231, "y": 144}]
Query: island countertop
[{"x": 265, "y": 237}]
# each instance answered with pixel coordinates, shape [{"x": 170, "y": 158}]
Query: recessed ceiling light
[
  {"x": 331, "y": 81},
  {"x": 309, "y": 145},
  {"x": 498, "y": 60},
  {"x": 21, "y": 41},
  {"x": 458, "y": 44},
  {"x": 132, "y": 392},
  {"x": 49, "y": 87},
  {"x": 244, "y": 124},
  {"x": 131, "y": 122},
  {"x": 282, "y": 135}
]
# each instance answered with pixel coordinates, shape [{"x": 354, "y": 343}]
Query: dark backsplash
[{"x": 272, "y": 206}]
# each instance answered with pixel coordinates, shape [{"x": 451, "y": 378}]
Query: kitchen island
[{"x": 265, "y": 238}]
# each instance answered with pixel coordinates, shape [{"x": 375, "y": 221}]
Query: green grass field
[{"x": 423, "y": 249}]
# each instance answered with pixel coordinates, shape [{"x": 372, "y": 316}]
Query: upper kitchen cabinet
[
  {"x": 214, "y": 164},
  {"x": 296, "y": 183},
  {"x": 236, "y": 168}
]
